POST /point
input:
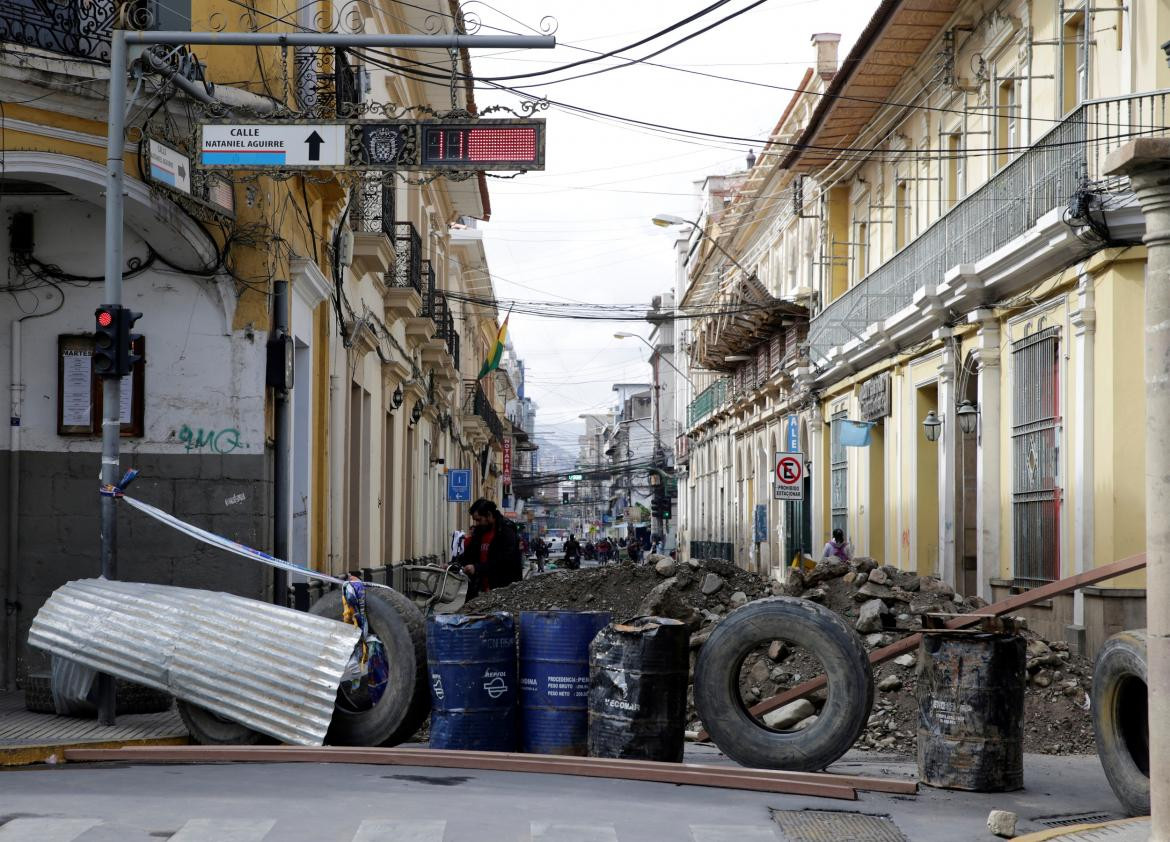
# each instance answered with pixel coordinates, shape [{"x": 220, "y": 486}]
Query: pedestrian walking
[{"x": 572, "y": 554}]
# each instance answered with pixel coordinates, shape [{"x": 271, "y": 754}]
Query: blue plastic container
[
  {"x": 554, "y": 679},
  {"x": 472, "y": 661}
]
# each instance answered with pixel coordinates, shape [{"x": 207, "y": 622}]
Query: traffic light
[
  {"x": 127, "y": 357},
  {"x": 666, "y": 509},
  {"x": 656, "y": 506},
  {"x": 105, "y": 341},
  {"x": 564, "y": 497}
]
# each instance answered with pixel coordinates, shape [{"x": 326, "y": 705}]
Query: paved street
[{"x": 312, "y": 802}]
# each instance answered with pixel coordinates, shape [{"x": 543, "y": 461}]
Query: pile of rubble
[{"x": 883, "y": 603}]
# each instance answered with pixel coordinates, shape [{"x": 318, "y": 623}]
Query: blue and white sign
[
  {"x": 169, "y": 166},
  {"x": 760, "y": 524},
  {"x": 792, "y": 434},
  {"x": 259, "y": 145},
  {"x": 459, "y": 485}
]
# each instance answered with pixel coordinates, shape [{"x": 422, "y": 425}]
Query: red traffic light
[{"x": 105, "y": 318}]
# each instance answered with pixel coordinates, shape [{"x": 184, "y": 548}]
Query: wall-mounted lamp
[
  {"x": 968, "y": 415},
  {"x": 397, "y": 397},
  {"x": 932, "y": 426},
  {"x": 416, "y": 412}
]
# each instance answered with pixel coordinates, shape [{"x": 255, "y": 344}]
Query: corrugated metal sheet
[{"x": 273, "y": 669}]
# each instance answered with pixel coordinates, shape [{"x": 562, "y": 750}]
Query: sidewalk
[{"x": 27, "y": 737}]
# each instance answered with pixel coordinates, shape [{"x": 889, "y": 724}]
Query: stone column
[
  {"x": 1147, "y": 162},
  {"x": 1084, "y": 323},
  {"x": 947, "y": 460},
  {"x": 989, "y": 494},
  {"x": 819, "y": 473}
]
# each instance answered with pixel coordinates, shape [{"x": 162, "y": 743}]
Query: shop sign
[{"x": 875, "y": 397}]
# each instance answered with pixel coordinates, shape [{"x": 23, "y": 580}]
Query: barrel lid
[
  {"x": 640, "y": 625},
  {"x": 458, "y": 620}
]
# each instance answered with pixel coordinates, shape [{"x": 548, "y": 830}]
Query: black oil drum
[
  {"x": 971, "y": 711},
  {"x": 638, "y": 674}
]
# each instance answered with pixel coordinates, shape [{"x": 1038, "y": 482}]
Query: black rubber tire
[
  {"x": 801, "y": 623},
  {"x": 1120, "y": 718},
  {"x": 420, "y": 705},
  {"x": 130, "y": 698},
  {"x": 356, "y": 724},
  {"x": 208, "y": 729}
]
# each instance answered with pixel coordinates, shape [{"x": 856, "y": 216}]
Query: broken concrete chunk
[
  {"x": 777, "y": 651},
  {"x": 738, "y": 598},
  {"x": 849, "y": 577},
  {"x": 906, "y": 660},
  {"x": 805, "y": 723},
  {"x": 1002, "y": 823},
  {"x": 665, "y": 567},
  {"x": 864, "y": 564},
  {"x": 825, "y": 570},
  {"x": 712, "y": 582},
  {"x": 871, "y": 591},
  {"x": 1042, "y": 678},
  {"x": 929, "y": 584},
  {"x": 815, "y": 594},
  {"x": 784, "y": 718},
  {"x": 877, "y": 640},
  {"x": 879, "y": 576},
  {"x": 870, "y": 617},
  {"x": 652, "y": 604},
  {"x": 889, "y": 684}
]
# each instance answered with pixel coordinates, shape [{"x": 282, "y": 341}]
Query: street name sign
[
  {"x": 169, "y": 166},
  {"x": 459, "y": 485},
  {"x": 273, "y": 145},
  {"x": 789, "y": 483}
]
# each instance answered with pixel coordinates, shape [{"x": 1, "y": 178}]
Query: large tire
[
  {"x": 420, "y": 705},
  {"x": 1121, "y": 721},
  {"x": 130, "y": 698},
  {"x": 803, "y": 624},
  {"x": 355, "y": 721},
  {"x": 209, "y": 729}
]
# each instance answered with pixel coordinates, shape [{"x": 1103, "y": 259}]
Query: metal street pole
[{"x": 115, "y": 176}]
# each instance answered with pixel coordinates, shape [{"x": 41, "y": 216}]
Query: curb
[
  {"x": 53, "y": 753},
  {"x": 1135, "y": 828}
]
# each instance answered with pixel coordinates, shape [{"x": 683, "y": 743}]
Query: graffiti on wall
[{"x": 223, "y": 441}]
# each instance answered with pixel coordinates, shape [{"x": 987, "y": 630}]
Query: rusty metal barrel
[{"x": 971, "y": 711}]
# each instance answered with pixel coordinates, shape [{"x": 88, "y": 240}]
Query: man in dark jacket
[
  {"x": 572, "y": 554},
  {"x": 493, "y": 550}
]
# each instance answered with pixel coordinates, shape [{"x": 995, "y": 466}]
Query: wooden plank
[{"x": 1006, "y": 606}]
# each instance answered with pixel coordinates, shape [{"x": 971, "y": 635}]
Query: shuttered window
[{"x": 1036, "y": 492}]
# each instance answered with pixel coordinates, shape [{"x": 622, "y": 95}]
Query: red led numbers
[{"x": 484, "y": 146}]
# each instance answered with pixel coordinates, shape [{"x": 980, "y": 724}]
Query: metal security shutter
[
  {"x": 1035, "y": 458},
  {"x": 839, "y": 475}
]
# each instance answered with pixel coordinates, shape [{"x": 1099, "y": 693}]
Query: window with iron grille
[
  {"x": 1036, "y": 492},
  {"x": 838, "y": 474}
]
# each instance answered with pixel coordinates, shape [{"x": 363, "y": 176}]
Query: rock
[
  {"x": 1059, "y": 646},
  {"x": 825, "y": 570},
  {"x": 1042, "y": 678},
  {"x": 849, "y": 577},
  {"x": 805, "y": 723},
  {"x": 879, "y": 576},
  {"x": 652, "y": 604},
  {"x": 908, "y": 581},
  {"x": 877, "y": 639},
  {"x": 738, "y": 599},
  {"x": 759, "y": 672},
  {"x": 872, "y": 591},
  {"x": 777, "y": 651},
  {"x": 694, "y": 565},
  {"x": 793, "y": 582},
  {"x": 700, "y": 637},
  {"x": 665, "y": 567},
  {"x": 864, "y": 564},
  {"x": 1037, "y": 648},
  {"x": 929, "y": 584},
  {"x": 861, "y": 579},
  {"x": 784, "y": 718},
  {"x": 815, "y": 594},
  {"x": 870, "y": 617},
  {"x": 777, "y": 589},
  {"x": 712, "y": 582},
  {"x": 889, "y": 684},
  {"x": 1002, "y": 823},
  {"x": 906, "y": 660}
]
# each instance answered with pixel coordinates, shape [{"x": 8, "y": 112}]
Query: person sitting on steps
[{"x": 838, "y": 547}]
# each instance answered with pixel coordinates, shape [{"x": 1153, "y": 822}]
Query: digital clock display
[{"x": 509, "y": 144}]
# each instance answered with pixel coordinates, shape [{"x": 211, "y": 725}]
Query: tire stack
[{"x": 398, "y": 714}]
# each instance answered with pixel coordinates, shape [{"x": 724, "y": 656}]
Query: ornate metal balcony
[
  {"x": 372, "y": 207},
  {"x": 79, "y": 28},
  {"x": 707, "y": 401},
  {"x": 408, "y": 258},
  {"x": 476, "y": 403},
  {"x": 433, "y": 303}
]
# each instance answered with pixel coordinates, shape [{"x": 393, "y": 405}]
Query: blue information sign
[
  {"x": 761, "y": 524},
  {"x": 792, "y": 435},
  {"x": 459, "y": 485}
]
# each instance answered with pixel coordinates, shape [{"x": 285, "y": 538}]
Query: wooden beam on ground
[{"x": 1006, "y": 606}]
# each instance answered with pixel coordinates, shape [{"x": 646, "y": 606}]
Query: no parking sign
[{"x": 789, "y": 483}]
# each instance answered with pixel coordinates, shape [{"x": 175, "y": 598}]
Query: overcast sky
[{"x": 580, "y": 230}]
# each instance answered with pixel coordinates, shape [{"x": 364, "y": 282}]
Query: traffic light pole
[{"x": 120, "y": 41}]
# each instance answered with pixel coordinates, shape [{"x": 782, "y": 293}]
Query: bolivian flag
[{"x": 497, "y": 352}]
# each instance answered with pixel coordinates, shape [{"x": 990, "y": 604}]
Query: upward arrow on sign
[{"x": 314, "y": 140}]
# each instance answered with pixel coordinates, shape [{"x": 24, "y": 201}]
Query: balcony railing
[
  {"x": 445, "y": 329},
  {"x": 1042, "y": 178},
  {"x": 78, "y": 28},
  {"x": 706, "y": 402},
  {"x": 433, "y": 304},
  {"x": 372, "y": 207},
  {"x": 407, "y": 258},
  {"x": 476, "y": 402}
]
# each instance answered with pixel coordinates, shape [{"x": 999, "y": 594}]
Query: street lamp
[
  {"x": 621, "y": 334},
  {"x": 968, "y": 415},
  {"x": 666, "y": 220},
  {"x": 932, "y": 426}
]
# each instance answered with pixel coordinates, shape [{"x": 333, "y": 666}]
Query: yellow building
[
  {"x": 938, "y": 201},
  {"x": 378, "y": 273}
]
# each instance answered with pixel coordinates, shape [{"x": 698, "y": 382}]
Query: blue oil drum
[
  {"x": 472, "y": 663},
  {"x": 554, "y": 679}
]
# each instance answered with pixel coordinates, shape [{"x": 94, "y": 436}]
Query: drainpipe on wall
[
  {"x": 1147, "y": 162},
  {"x": 10, "y": 609}
]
